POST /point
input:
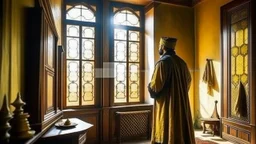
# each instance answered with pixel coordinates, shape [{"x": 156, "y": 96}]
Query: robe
[{"x": 169, "y": 86}]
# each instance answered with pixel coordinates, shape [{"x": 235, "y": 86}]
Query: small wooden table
[
  {"x": 214, "y": 123},
  {"x": 76, "y": 135}
]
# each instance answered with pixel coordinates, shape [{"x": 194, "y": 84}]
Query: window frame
[
  {"x": 97, "y": 50},
  {"x": 141, "y": 29}
]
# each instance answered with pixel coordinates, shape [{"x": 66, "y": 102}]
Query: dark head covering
[{"x": 168, "y": 42}]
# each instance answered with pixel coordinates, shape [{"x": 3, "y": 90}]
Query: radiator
[{"x": 133, "y": 124}]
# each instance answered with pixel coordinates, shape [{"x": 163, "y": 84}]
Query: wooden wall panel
[
  {"x": 225, "y": 128},
  {"x": 244, "y": 135},
  {"x": 92, "y": 117},
  {"x": 233, "y": 132}
]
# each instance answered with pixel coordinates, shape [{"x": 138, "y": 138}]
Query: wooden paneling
[
  {"x": 233, "y": 132},
  {"x": 225, "y": 128},
  {"x": 244, "y": 136},
  {"x": 50, "y": 90},
  {"x": 41, "y": 68}
]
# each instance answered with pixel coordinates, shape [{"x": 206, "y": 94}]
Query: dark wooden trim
[
  {"x": 46, "y": 6},
  {"x": 106, "y": 55},
  {"x": 182, "y": 3}
]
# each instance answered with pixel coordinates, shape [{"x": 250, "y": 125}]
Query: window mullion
[
  {"x": 127, "y": 66},
  {"x": 80, "y": 65}
]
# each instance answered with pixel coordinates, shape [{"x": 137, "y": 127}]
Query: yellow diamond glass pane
[
  {"x": 244, "y": 79},
  {"x": 233, "y": 36},
  {"x": 244, "y": 50},
  {"x": 246, "y": 36},
  {"x": 233, "y": 65},
  {"x": 239, "y": 38},
  {"x": 239, "y": 65},
  {"x": 246, "y": 64},
  {"x": 234, "y": 51}
]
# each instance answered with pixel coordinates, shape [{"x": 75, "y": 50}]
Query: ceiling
[{"x": 146, "y": 2}]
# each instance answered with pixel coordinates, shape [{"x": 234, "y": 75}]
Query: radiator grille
[{"x": 133, "y": 124}]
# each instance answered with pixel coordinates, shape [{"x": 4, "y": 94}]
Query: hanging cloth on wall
[
  {"x": 241, "y": 104},
  {"x": 209, "y": 76}
]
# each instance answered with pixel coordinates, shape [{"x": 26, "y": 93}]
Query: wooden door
[{"x": 238, "y": 73}]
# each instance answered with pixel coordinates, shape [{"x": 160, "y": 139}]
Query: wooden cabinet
[
  {"x": 42, "y": 68},
  {"x": 238, "y": 71}
]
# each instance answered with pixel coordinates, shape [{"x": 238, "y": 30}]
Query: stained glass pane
[
  {"x": 120, "y": 51},
  {"x": 73, "y": 30},
  {"x": 134, "y": 82},
  {"x": 239, "y": 65},
  {"x": 239, "y": 37},
  {"x": 88, "y": 32},
  {"x": 134, "y": 51},
  {"x": 233, "y": 36},
  {"x": 88, "y": 83},
  {"x": 126, "y": 17},
  {"x": 246, "y": 36},
  {"x": 120, "y": 34},
  {"x": 134, "y": 36},
  {"x": 120, "y": 83},
  {"x": 246, "y": 64},
  {"x": 72, "y": 48},
  {"x": 88, "y": 49},
  {"x": 81, "y": 13},
  {"x": 239, "y": 62},
  {"x": 244, "y": 50},
  {"x": 233, "y": 65},
  {"x": 72, "y": 83}
]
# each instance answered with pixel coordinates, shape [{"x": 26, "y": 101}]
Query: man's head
[{"x": 166, "y": 43}]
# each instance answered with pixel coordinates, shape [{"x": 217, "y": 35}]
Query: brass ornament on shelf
[
  {"x": 20, "y": 126},
  {"x": 5, "y": 116}
]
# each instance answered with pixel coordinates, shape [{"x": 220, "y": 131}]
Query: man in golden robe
[{"x": 172, "y": 121}]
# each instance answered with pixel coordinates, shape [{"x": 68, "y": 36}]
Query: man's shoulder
[{"x": 165, "y": 57}]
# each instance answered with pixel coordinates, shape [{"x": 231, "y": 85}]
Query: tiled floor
[{"x": 198, "y": 134}]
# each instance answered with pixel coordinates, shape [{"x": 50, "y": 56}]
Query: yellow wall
[
  {"x": 207, "y": 45},
  {"x": 177, "y": 21},
  {"x": 5, "y": 50},
  {"x": 17, "y": 45},
  {"x": 149, "y": 53},
  {"x": 12, "y": 47}
]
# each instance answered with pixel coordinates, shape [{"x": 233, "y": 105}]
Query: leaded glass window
[
  {"x": 239, "y": 60},
  {"x": 126, "y": 45},
  {"x": 80, "y": 55}
]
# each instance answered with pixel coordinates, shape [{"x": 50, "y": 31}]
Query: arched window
[
  {"x": 127, "y": 35},
  {"x": 81, "y": 13},
  {"x": 80, "y": 23},
  {"x": 126, "y": 17}
]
